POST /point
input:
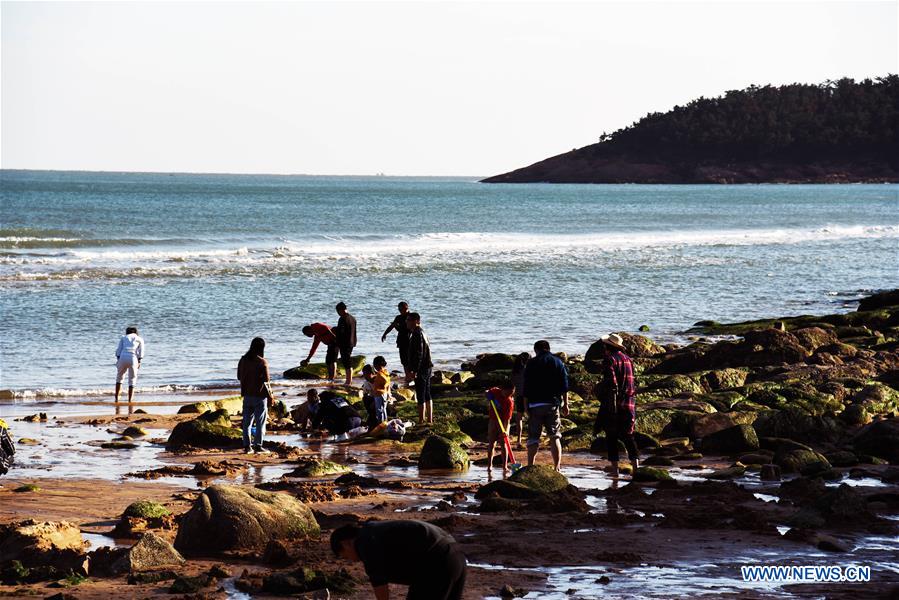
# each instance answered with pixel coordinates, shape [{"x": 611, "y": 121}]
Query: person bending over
[
  {"x": 322, "y": 334},
  {"x": 128, "y": 356},
  {"x": 413, "y": 553}
]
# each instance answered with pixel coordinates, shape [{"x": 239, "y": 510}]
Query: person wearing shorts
[
  {"x": 420, "y": 368},
  {"x": 128, "y": 355},
  {"x": 546, "y": 393},
  {"x": 345, "y": 332}
]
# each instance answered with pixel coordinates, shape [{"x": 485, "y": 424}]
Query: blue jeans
[
  {"x": 380, "y": 408},
  {"x": 254, "y": 409}
]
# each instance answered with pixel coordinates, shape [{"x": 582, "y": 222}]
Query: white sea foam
[{"x": 405, "y": 252}]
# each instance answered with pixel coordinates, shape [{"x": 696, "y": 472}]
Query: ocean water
[{"x": 203, "y": 263}]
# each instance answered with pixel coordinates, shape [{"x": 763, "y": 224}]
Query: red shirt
[
  {"x": 323, "y": 333},
  {"x": 503, "y": 403}
]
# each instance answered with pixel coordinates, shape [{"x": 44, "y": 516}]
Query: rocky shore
[{"x": 766, "y": 442}]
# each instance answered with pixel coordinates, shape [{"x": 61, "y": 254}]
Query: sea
[{"x": 201, "y": 264}]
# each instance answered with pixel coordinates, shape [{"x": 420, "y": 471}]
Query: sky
[{"x": 402, "y": 88}]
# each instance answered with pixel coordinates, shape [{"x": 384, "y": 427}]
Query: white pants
[{"x": 127, "y": 364}]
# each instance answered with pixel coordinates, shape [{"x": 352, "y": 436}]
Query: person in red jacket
[
  {"x": 501, "y": 399},
  {"x": 322, "y": 334}
]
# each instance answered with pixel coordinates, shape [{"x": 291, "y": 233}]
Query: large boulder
[
  {"x": 723, "y": 379},
  {"x": 879, "y": 300},
  {"x": 441, "y": 453},
  {"x": 635, "y": 346},
  {"x": 708, "y": 424},
  {"x": 320, "y": 370},
  {"x": 877, "y": 398},
  {"x": 487, "y": 363},
  {"x": 231, "y": 518},
  {"x": 880, "y": 439},
  {"x": 813, "y": 338},
  {"x": 150, "y": 553},
  {"x": 212, "y": 429},
  {"x": 797, "y": 424},
  {"x": 233, "y": 404},
  {"x": 739, "y": 438},
  {"x": 541, "y": 478},
  {"x": 54, "y": 546},
  {"x": 792, "y": 459}
]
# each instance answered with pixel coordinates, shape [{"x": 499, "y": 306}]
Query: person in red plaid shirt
[{"x": 617, "y": 409}]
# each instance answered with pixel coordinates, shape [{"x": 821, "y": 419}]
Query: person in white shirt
[{"x": 128, "y": 356}]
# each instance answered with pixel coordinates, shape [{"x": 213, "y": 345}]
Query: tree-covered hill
[{"x": 838, "y": 131}]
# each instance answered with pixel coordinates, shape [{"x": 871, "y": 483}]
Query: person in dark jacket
[
  {"x": 402, "y": 334},
  {"x": 252, "y": 371},
  {"x": 420, "y": 368},
  {"x": 545, "y": 391},
  {"x": 414, "y": 553},
  {"x": 346, "y": 339},
  {"x": 333, "y": 413},
  {"x": 617, "y": 409}
]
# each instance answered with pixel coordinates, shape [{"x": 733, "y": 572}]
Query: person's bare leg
[
  {"x": 490, "y": 446},
  {"x": 555, "y": 448},
  {"x": 421, "y": 414},
  {"x": 118, "y": 392},
  {"x": 130, "y": 394},
  {"x": 520, "y": 425},
  {"x": 613, "y": 469},
  {"x": 532, "y": 453},
  {"x": 505, "y": 459},
  {"x": 430, "y": 411},
  {"x": 349, "y": 374},
  {"x": 332, "y": 372}
]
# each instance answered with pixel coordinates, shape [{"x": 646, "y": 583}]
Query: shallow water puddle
[{"x": 640, "y": 582}]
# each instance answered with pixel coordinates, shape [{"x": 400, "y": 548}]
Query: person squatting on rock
[
  {"x": 129, "y": 354},
  {"x": 252, "y": 371},
  {"x": 414, "y": 553},
  {"x": 333, "y": 413},
  {"x": 346, "y": 339},
  {"x": 501, "y": 399},
  {"x": 402, "y": 334},
  {"x": 420, "y": 368},
  {"x": 617, "y": 408},
  {"x": 545, "y": 391},
  {"x": 322, "y": 334}
]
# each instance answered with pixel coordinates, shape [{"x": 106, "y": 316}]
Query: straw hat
[{"x": 614, "y": 340}]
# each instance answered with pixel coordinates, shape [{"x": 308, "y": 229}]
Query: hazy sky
[{"x": 441, "y": 88}]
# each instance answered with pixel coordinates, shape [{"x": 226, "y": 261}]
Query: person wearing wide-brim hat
[{"x": 617, "y": 408}]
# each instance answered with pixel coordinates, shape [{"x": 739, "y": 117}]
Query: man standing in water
[
  {"x": 128, "y": 356},
  {"x": 420, "y": 368},
  {"x": 617, "y": 409},
  {"x": 402, "y": 334},
  {"x": 346, "y": 339},
  {"x": 413, "y": 553},
  {"x": 545, "y": 390}
]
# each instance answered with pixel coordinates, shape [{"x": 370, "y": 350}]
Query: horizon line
[{"x": 119, "y": 171}]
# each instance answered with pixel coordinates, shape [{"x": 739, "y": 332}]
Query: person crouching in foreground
[
  {"x": 500, "y": 398},
  {"x": 413, "y": 553},
  {"x": 617, "y": 409},
  {"x": 252, "y": 371}
]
